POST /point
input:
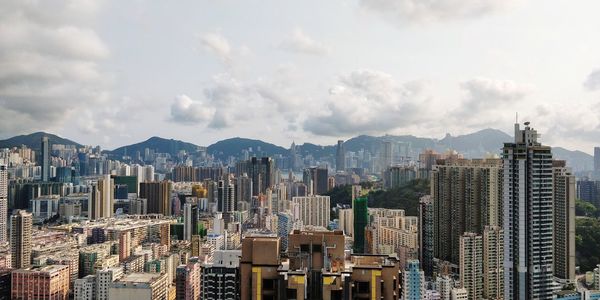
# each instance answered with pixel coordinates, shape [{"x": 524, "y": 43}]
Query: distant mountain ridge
[
  {"x": 477, "y": 144},
  {"x": 157, "y": 144},
  {"x": 34, "y": 140}
]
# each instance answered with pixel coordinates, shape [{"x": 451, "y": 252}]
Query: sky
[{"x": 112, "y": 72}]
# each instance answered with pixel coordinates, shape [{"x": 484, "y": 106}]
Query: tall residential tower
[{"x": 528, "y": 228}]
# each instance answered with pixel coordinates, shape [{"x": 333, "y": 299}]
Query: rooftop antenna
[{"x": 517, "y": 117}]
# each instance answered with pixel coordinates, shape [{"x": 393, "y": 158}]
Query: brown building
[
  {"x": 158, "y": 197},
  {"x": 316, "y": 268},
  {"x": 49, "y": 282},
  {"x": 259, "y": 268},
  {"x": 20, "y": 238}
]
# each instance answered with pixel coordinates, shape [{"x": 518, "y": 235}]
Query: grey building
[{"x": 528, "y": 188}]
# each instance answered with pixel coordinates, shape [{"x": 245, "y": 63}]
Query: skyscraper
[
  {"x": 101, "y": 202},
  {"x": 596, "y": 161},
  {"x": 528, "y": 216},
  {"x": 467, "y": 196},
  {"x": 493, "y": 257},
  {"x": 426, "y": 234},
  {"x": 471, "y": 260},
  {"x": 20, "y": 238},
  {"x": 361, "y": 220},
  {"x": 157, "y": 195},
  {"x": 564, "y": 223},
  {"x": 312, "y": 210},
  {"x": 340, "y": 157},
  {"x": 316, "y": 180},
  {"x": 226, "y": 195},
  {"x": 45, "y": 157},
  {"x": 3, "y": 203}
]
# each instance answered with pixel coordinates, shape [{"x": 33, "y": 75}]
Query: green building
[
  {"x": 130, "y": 181},
  {"x": 361, "y": 219}
]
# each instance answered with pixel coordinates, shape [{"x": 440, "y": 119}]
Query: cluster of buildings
[{"x": 75, "y": 224}]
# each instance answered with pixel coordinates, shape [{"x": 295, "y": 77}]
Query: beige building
[
  {"x": 467, "y": 196},
  {"x": 564, "y": 223},
  {"x": 20, "y": 238},
  {"x": 312, "y": 210},
  {"x": 151, "y": 286},
  {"x": 49, "y": 282},
  {"x": 470, "y": 264},
  {"x": 493, "y": 257}
]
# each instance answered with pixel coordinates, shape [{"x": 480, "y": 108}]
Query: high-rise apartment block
[
  {"x": 528, "y": 214},
  {"x": 564, "y": 223},
  {"x": 158, "y": 197},
  {"x": 187, "y": 281},
  {"x": 3, "y": 203},
  {"x": 45, "y": 159},
  {"x": 101, "y": 199},
  {"x": 312, "y": 210},
  {"x": 493, "y": 258},
  {"x": 340, "y": 156},
  {"x": 360, "y": 214},
  {"x": 20, "y": 238},
  {"x": 426, "y": 237},
  {"x": 413, "y": 287},
  {"x": 221, "y": 278},
  {"x": 467, "y": 196},
  {"x": 471, "y": 264}
]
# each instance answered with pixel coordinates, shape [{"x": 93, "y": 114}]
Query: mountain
[
  {"x": 234, "y": 146},
  {"x": 477, "y": 144},
  {"x": 157, "y": 144},
  {"x": 34, "y": 141},
  {"x": 473, "y": 145},
  {"x": 577, "y": 160}
]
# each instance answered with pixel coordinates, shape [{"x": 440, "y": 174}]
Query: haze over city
[{"x": 114, "y": 73}]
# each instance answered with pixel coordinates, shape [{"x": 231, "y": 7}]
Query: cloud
[
  {"x": 229, "y": 102},
  {"x": 299, "y": 42},
  {"x": 368, "y": 102},
  {"x": 485, "y": 94},
  {"x": 49, "y": 63},
  {"x": 592, "y": 82},
  {"x": 187, "y": 111},
  {"x": 218, "y": 45},
  {"x": 427, "y": 11}
]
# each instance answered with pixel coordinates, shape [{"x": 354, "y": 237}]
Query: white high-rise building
[
  {"x": 148, "y": 173},
  {"x": 104, "y": 278},
  {"x": 346, "y": 221},
  {"x": 85, "y": 288},
  {"x": 528, "y": 226},
  {"x": 312, "y": 210},
  {"x": 3, "y": 204},
  {"x": 444, "y": 285}
]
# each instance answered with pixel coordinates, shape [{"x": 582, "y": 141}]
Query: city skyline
[{"x": 206, "y": 70}]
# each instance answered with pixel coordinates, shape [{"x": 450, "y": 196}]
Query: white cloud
[
  {"x": 489, "y": 103},
  {"x": 187, "y": 111},
  {"x": 369, "y": 102},
  {"x": 49, "y": 63},
  {"x": 592, "y": 82},
  {"x": 299, "y": 42},
  {"x": 218, "y": 45},
  {"x": 426, "y": 11}
]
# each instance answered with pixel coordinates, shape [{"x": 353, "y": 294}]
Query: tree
[
  {"x": 584, "y": 208},
  {"x": 587, "y": 242}
]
